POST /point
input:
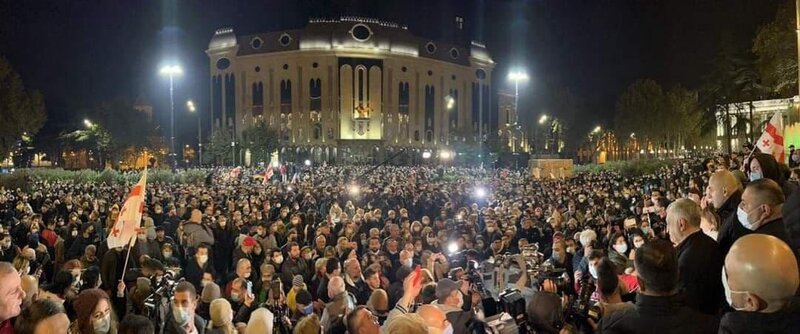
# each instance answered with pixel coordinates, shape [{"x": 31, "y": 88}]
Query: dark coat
[
  {"x": 700, "y": 262},
  {"x": 728, "y": 208},
  {"x": 791, "y": 215},
  {"x": 732, "y": 230},
  {"x": 658, "y": 315},
  {"x": 753, "y": 322}
]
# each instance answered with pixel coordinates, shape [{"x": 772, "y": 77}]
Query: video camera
[{"x": 162, "y": 292}]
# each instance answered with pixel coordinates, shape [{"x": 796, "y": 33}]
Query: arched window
[
  {"x": 315, "y": 95},
  {"x": 286, "y": 96},
  {"x": 403, "y": 98},
  {"x": 258, "y": 99}
]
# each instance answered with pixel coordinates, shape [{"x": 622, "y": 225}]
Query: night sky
[{"x": 81, "y": 52}]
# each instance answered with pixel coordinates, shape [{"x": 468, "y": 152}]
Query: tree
[
  {"x": 641, "y": 109},
  {"x": 22, "y": 113},
  {"x": 114, "y": 127},
  {"x": 218, "y": 148},
  {"x": 684, "y": 117},
  {"x": 261, "y": 140},
  {"x": 775, "y": 47}
]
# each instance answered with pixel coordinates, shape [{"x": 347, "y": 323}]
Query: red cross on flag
[
  {"x": 771, "y": 141},
  {"x": 130, "y": 216},
  {"x": 267, "y": 175}
]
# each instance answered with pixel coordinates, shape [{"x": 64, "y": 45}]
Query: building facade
[
  {"x": 741, "y": 118},
  {"x": 351, "y": 89}
]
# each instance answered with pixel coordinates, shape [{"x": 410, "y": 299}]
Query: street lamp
[
  {"x": 516, "y": 76},
  {"x": 191, "y": 107},
  {"x": 543, "y": 119},
  {"x": 171, "y": 71},
  {"x": 88, "y": 123}
]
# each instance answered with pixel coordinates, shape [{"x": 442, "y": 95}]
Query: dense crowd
[{"x": 698, "y": 247}]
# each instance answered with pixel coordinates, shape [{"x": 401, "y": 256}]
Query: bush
[
  {"x": 196, "y": 177},
  {"x": 626, "y": 168},
  {"x": 16, "y": 180},
  {"x": 108, "y": 176}
]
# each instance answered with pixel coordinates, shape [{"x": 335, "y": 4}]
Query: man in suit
[{"x": 699, "y": 257}]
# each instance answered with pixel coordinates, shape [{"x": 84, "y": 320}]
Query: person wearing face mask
[
  {"x": 197, "y": 265},
  {"x": 760, "y": 278},
  {"x": 764, "y": 166},
  {"x": 181, "y": 317},
  {"x": 450, "y": 300},
  {"x": 304, "y": 305},
  {"x": 658, "y": 306},
  {"x": 699, "y": 258},
  {"x": 93, "y": 313},
  {"x": 759, "y": 212}
]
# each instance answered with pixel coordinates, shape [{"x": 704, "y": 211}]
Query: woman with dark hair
[
  {"x": 764, "y": 166},
  {"x": 618, "y": 252},
  {"x": 94, "y": 313}
]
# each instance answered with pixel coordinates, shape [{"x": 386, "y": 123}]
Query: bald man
[
  {"x": 758, "y": 212},
  {"x": 724, "y": 192},
  {"x": 435, "y": 319},
  {"x": 341, "y": 302},
  {"x": 760, "y": 278},
  {"x": 699, "y": 257}
]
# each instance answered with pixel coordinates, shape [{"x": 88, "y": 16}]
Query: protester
[
  {"x": 699, "y": 257},
  {"x": 760, "y": 279},
  {"x": 42, "y": 317}
]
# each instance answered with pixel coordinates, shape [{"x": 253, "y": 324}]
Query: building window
[
  {"x": 317, "y": 132},
  {"x": 256, "y": 43},
  {"x": 452, "y": 106},
  {"x": 315, "y": 95},
  {"x": 361, "y": 32},
  {"x": 430, "y": 47},
  {"x": 480, "y": 74},
  {"x": 315, "y": 65},
  {"x": 454, "y": 53},
  {"x": 403, "y": 69},
  {"x": 285, "y": 66},
  {"x": 223, "y": 63},
  {"x": 286, "y": 96},
  {"x": 285, "y": 39},
  {"x": 459, "y": 22},
  {"x": 257, "y": 69},
  {"x": 403, "y": 98},
  {"x": 429, "y": 136},
  {"x": 416, "y": 135},
  {"x": 258, "y": 99},
  {"x": 430, "y": 106}
]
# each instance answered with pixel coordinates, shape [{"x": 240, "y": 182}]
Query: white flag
[
  {"x": 771, "y": 141},
  {"x": 130, "y": 216}
]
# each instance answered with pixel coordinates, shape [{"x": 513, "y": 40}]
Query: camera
[
  {"x": 277, "y": 305},
  {"x": 582, "y": 308}
]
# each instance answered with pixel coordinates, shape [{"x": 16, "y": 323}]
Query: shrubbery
[
  {"x": 627, "y": 167},
  {"x": 22, "y": 177}
]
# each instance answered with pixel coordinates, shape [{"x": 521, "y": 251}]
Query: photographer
[
  {"x": 610, "y": 290},
  {"x": 181, "y": 317}
]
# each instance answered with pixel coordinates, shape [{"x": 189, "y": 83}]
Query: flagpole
[{"x": 127, "y": 257}]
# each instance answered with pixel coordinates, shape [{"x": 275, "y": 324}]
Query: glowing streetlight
[
  {"x": 451, "y": 102},
  {"x": 307, "y": 163},
  {"x": 171, "y": 71},
  {"x": 354, "y": 190},
  {"x": 517, "y": 77},
  {"x": 88, "y": 123},
  {"x": 426, "y": 155},
  {"x": 480, "y": 192},
  {"x": 597, "y": 129},
  {"x": 444, "y": 155},
  {"x": 543, "y": 119},
  {"x": 190, "y": 105}
]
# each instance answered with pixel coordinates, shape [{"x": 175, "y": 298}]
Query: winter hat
[
  {"x": 303, "y": 297},
  {"x": 87, "y": 301},
  {"x": 298, "y": 281},
  {"x": 210, "y": 293},
  {"x": 221, "y": 312}
]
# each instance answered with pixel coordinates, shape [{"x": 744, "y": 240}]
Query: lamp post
[
  {"x": 171, "y": 71},
  {"x": 91, "y": 126},
  {"x": 516, "y": 76},
  {"x": 192, "y": 108},
  {"x": 542, "y": 121}
]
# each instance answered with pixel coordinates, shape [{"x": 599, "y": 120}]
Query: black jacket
[
  {"x": 658, "y": 315},
  {"x": 700, "y": 263},
  {"x": 753, "y": 322},
  {"x": 732, "y": 230},
  {"x": 791, "y": 215},
  {"x": 728, "y": 208}
]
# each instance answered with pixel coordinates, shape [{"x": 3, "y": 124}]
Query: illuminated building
[{"x": 350, "y": 88}]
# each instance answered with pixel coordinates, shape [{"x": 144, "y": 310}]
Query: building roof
[{"x": 350, "y": 33}]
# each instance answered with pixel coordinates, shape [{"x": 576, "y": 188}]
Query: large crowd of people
[{"x": 698, "y": 247}]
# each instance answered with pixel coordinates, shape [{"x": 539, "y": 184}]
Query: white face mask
[
  {"x": 102, "y": 326},
  {"x": 181, "y": 315},
  {"x": 593, "y": 271},
  {"x": 728, "y": 291},
  {"x": 744, "y": 219},
  {"x": 621, "y": 248},
  {"x": 448, "y": 329}
]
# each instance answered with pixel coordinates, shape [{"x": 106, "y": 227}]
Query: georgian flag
[
  {"x": 130, "y": 216},
  {"x": 771, "y": 141},
  {"x": 267, "y": 175}
]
